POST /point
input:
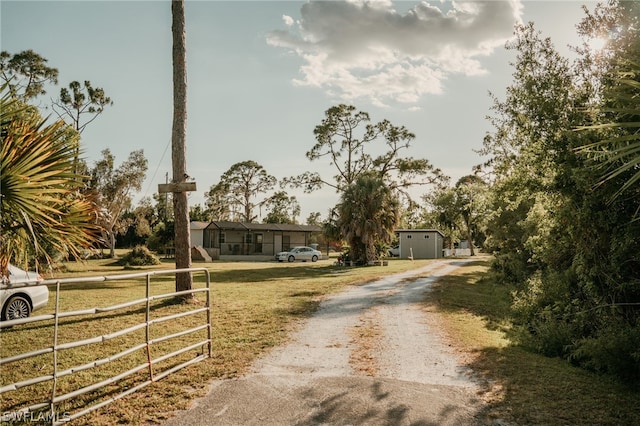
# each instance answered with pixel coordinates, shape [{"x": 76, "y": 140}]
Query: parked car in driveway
[
  {"x": 299, "y": 253},
  {"x": 19, "y": 302}
]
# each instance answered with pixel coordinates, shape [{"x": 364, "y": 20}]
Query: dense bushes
[
  {"x": 139, "y": 256},
  {"x": 567, "y": 246},
  {"x": 614, "y": 349}
]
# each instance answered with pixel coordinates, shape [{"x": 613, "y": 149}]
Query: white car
[
  {"x": 299, "y": 253},
  {"x": 19, "y": 302},
  {"x": 394, "y": 251}
]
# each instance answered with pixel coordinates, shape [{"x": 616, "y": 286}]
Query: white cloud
[
  {"x": 366, "y": 49},
  {"x": 288, "y": 20}
]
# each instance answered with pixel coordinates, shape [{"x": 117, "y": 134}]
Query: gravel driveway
[{"x": 367, "y": 357}]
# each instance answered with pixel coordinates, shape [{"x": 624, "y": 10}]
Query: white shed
[
  {"x": 197, "y": 233},
  {"x": 420, "y": 243}
]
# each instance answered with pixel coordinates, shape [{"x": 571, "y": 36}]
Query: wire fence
[{"x": 144, "y": 340}]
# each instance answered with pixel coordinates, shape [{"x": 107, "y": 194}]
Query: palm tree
[
  {"x": 620, "y": 153},
  {"x": 42, "y": 210},
  {"x": 369, "y": 213}
]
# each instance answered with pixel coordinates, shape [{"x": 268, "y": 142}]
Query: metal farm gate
[{"x": 143, "y": 337}]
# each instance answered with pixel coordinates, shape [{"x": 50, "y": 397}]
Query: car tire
[
  {"x": 292, "y": 259},
  {"x": 314, "y": 258},
  {"x": 15, "y": 308}
]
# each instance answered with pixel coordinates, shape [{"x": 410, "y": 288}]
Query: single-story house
[
  {"x": 249, "y": 239},
  {"x": 420, "y": 243}
]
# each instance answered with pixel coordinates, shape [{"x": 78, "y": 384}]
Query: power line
[{"x": 153, "y": 178}]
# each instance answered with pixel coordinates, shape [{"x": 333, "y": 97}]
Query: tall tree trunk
[
  {"x": 467, "y": 222},
  {"x": 112, "y": 248},
  {"x": 179, "y": 146}
]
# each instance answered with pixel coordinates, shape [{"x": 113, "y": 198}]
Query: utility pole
[{"x": 179, "y": 185}]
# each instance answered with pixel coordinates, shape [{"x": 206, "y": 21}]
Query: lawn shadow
[
  {"x": 476, "y": 293},
  {"x": 520, "y": 387},
  {"x": 267, "y": 275}
]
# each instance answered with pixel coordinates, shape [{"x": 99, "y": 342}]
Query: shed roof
[
  {"x": 198, "y": 225},
  {"x": 418, "y": 231}
]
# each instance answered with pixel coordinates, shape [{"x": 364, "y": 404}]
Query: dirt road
[{"x": 369, "y": 356}]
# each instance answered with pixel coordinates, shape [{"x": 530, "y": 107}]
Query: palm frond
[
  {"x": 619, "y": 154},
  {"x": 43, "y": 209}
]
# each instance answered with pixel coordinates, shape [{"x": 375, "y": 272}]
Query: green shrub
[
  {"x": 139, "y": 256},
  {"x": 548, "y": 337},
  {"x": 615, "y": 351}
]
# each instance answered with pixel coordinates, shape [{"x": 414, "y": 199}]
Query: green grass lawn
[
  {"x": 254, "y": 306},
  {"x": 520, "y": 387}
]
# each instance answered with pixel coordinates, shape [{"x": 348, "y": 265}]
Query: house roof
[{"x": 249, "y": 227}]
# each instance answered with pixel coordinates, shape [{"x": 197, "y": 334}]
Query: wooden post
[
  {"x": 164, "y": 188},
  {"x": 179, "y": 146}
]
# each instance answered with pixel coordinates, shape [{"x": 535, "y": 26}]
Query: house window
[
  {"x": 248, "y": 238},
  {"x": 426, "y": 235},
  {"x": 409, "y": 236},
  {"x": 222, "y": 238},
  {"x": 258, "y": 245}
]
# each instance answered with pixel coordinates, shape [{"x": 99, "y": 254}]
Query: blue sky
[{"x": 261, "y": 74}]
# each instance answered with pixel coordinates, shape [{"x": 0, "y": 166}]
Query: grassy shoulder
[
  {"x": 518, "y": 386},
  {"x": 254, "y": 307}
]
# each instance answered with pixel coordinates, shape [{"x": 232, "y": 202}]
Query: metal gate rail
[{"x": 51, "y": 403}]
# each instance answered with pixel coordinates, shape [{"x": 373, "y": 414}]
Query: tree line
[
  {"x": 557, "y": 201},
  {"x": 563, "y": 201}
]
